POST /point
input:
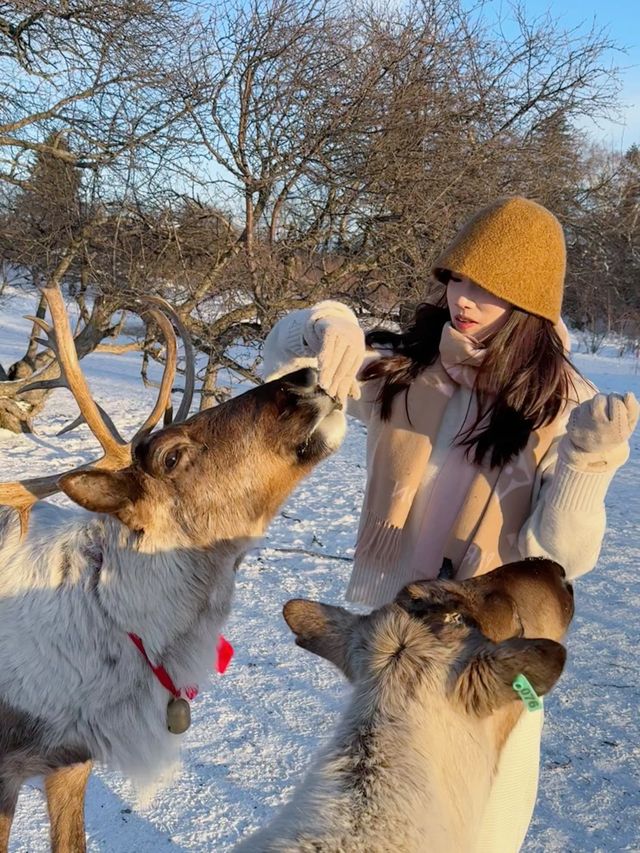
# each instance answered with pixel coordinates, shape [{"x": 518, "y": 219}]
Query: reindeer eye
[{"x": 171, "y": 459}]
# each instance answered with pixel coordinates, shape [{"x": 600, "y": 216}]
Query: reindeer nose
[{"x": 303, "y": 382}]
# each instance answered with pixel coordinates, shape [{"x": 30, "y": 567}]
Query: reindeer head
[
  {"x": 219, "y": 475},
  {"x": 222, "y": 473},
  {"x": 464, "y": 641}
]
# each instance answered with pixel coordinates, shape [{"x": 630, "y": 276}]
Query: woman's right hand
[{"x": 339, "y": 345}]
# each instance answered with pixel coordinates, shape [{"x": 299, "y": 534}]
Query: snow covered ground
[{"x": 255, "y": 727}]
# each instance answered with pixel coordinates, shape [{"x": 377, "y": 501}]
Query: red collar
[{"x": 224, "y": 653}]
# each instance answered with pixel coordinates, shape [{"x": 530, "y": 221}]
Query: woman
[{"x": 484, "y": 444}]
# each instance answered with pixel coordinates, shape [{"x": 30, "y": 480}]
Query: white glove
[
  {"x": 339, "y": 345},
  {"x": 603, "y": 423}
]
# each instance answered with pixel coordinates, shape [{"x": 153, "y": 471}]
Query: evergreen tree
[{"x": 49, "y": 210}]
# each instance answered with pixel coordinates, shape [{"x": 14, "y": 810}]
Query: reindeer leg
[
  {"x": 9, "y": 790},
  {"x": 65, "y": 789}
]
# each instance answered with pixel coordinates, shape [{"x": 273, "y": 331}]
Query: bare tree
[
  {"x": 603, "y": 293},
  {"x": 251, "y": 157},
  {"x": 347, "y": 144},
  {"x": 82, "y": 118}
]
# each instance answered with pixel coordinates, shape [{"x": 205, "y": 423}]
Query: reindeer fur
[
  {"x": 85, "y": 584},
  {"x": 411, "y": 763},
  {"x": 154, "y": 552}
]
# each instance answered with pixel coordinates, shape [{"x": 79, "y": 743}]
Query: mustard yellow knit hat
[{"x": 515, "y": 249}]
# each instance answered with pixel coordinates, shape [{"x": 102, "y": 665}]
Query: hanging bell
[{"x": 178, "y": 716}]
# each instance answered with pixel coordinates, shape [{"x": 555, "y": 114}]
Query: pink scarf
[{"x": 461, "y": 357}]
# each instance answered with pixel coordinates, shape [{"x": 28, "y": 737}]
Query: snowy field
[{"x": 256, "y": 727}]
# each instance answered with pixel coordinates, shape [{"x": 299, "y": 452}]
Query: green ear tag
[{"x": 525, "y": 691}]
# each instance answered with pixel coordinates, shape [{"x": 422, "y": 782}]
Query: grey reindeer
[
  {"x": 410, "y": 764},
  {"x": 149, "y": 551}
]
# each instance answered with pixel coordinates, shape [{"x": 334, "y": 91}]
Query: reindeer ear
[
  {"x": 113, "y": 492},
  {"x": 486, "y": 682},
  {"x": 321, "y": 629}
]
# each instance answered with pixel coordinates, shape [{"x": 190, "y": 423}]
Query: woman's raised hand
[
  {"x": 606, "y": 420},
  {"x": 339, "y": 344}
]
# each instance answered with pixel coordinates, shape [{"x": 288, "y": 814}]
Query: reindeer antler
[
  {"x": 189, "y": 366},
  {"x": 22, "y": 495},
  {"x": 59, "y": 338}
]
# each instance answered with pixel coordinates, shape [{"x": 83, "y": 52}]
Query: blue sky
[{"x": 622, "y": 20}]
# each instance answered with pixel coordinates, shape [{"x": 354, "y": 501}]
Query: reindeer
[
  {"x": 410, "y": 765},
  {"x": 109, "y": 613}
]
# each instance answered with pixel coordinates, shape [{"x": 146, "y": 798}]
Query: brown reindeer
[
  {"x": 149, "y": 552},
  {"x": 410, "y": 765}
]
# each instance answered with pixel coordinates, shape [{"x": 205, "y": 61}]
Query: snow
[{"x": 255, "y": 728}]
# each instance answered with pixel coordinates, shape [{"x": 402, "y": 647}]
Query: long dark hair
[{"x": 522, "y": 384}]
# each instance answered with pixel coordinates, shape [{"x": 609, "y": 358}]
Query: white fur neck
[
  {"x": 388, "y": 781},
  {"x": 77, "y": 598}
]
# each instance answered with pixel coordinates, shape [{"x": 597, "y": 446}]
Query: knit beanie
[{"x": 515, "y": 249}]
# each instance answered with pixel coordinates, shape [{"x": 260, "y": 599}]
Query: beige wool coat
[{"x": 555, "y": 505}]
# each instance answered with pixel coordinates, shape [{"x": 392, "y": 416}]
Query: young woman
[{"x": 484, "y": 444}]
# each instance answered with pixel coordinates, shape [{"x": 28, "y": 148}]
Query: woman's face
[{"x": 474, "y": 311}]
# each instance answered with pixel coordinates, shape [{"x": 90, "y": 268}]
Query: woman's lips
[{"x": 463, "y": 324}]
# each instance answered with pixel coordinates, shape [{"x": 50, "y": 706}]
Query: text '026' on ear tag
[{"x": 178, "y": 716}]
